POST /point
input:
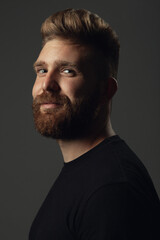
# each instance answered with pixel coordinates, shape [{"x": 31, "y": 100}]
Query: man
[{"x": 103, "y": 192}]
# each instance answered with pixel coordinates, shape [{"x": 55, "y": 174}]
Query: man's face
[{"x": 66, "y": 91}]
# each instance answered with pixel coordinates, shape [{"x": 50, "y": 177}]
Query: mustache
[{"x": 48, "y": 97}]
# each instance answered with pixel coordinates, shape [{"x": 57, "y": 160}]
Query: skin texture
[
  {"x": 67, "y": 70},
  {"x": 57, "y": 78}
]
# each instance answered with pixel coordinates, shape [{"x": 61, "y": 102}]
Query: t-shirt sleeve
[{"x": 112, "y": 213}]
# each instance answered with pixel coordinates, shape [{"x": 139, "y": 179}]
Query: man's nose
[{"x": 50, "y": 83}]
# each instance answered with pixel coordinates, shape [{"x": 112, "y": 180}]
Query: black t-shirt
[{"x": 105, "y": 194}]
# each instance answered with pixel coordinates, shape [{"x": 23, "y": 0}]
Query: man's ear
[{"x": 112, "y": 86}]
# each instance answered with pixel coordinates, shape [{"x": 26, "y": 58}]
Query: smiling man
[
  {"x": 103, "y": 191},
  {"x": 66, "y": 92}
]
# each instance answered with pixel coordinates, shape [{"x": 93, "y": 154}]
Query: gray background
[{"x": 29, "y": 162}]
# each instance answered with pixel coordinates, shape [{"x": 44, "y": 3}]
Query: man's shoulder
[
  {"x": 115, "y": 164},
  {"x": 109, "y": 162},
  {"x": 113, "y": 161}
]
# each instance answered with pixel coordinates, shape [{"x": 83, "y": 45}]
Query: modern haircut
[{"x": 84, "y": 27}]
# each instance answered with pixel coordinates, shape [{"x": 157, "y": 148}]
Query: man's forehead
[
  {"x": 64, "y": 51},
  {"x": 62, "y": 43}
]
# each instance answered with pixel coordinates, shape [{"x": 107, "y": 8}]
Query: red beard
[{"x": 67, "y": 120}]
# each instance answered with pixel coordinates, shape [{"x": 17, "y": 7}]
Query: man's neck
[{"x": 72, "y": 149}]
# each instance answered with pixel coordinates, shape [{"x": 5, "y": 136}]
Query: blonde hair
[{"x": 84, "y": 27}]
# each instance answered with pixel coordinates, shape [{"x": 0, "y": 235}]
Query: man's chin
[
  {"x": 61, "y": 130},
  {"x": 46, "y": 126},
  {"x": 51, "y": 134}
]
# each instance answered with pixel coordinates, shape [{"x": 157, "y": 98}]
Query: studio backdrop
[{"x": 30, "y": 163}]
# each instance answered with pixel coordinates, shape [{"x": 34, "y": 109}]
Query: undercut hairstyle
[{"x": 83, "y": 27}]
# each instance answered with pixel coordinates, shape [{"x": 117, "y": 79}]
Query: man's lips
[{"x": 45, "y": 106}]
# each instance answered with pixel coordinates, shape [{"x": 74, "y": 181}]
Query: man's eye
[
  {"x": 41, "y": 71},
  {"x": 69, "y": 72}
]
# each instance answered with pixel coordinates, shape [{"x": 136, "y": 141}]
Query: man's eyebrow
[
  {"x": 39, "y": 63},
  {"x": 58, "y": 63},
  {"x": 63, "y": 63}
]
